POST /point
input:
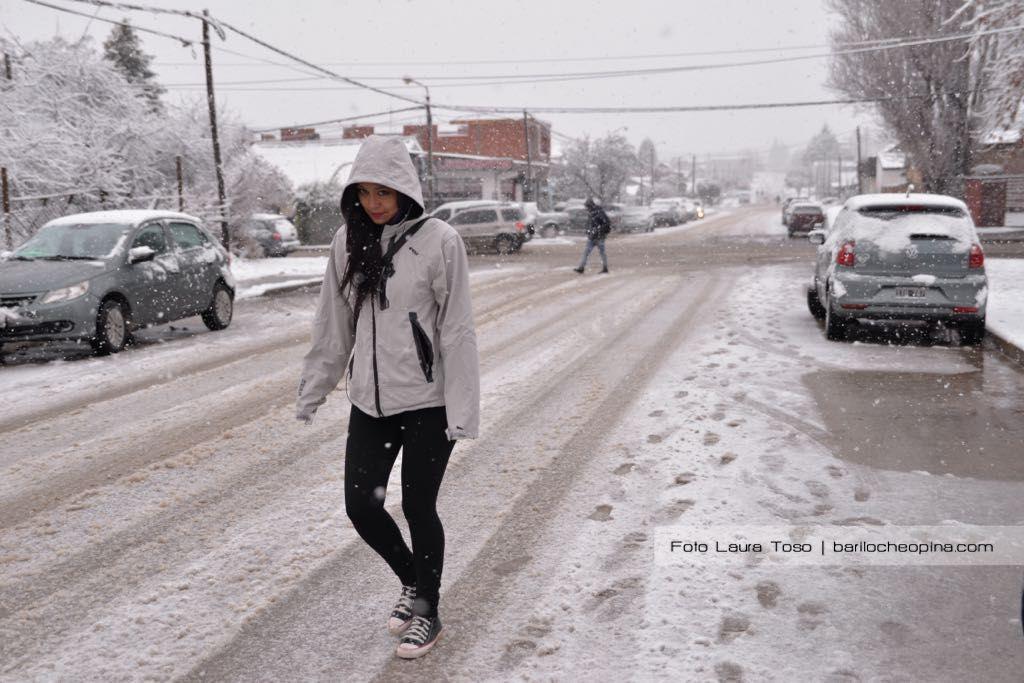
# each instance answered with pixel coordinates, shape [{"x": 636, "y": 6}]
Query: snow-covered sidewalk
[
  {"x": 1005, "y": 316},
  {"x": 256, "y": 277}
]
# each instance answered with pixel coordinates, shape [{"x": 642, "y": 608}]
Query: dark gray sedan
[
  {"x": 97, "y": 276},
  {"x": 900, "y": 257}
]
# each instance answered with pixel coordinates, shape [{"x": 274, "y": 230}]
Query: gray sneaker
[
  {"x": 421, "y": 635},
  {"x": 401, "y": 615}
]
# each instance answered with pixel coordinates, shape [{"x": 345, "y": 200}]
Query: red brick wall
[
  {"x": 489, "y": 137},
  {"x": 299, "y": 134},
  {"x": 357, "y": 132}
]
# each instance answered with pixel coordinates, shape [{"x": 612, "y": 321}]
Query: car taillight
[
  {"x": 977, "y": 257},
  {"x": 276, "y": 237},
  {"x": 520, "y": 226},
  {"x": 845, "y": 255}
]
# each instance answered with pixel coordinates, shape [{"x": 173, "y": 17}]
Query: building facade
[{"x": 505, "y": 159}]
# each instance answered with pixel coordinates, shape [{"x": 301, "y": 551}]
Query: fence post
[
  {"x": 181, "y": 189},
  {"x": 7, "y": 208}
]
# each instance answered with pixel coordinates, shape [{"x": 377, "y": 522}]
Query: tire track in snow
[{"x": 472, "y": 598}]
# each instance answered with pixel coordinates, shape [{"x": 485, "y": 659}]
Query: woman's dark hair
[{"x": 362, "y": 242}]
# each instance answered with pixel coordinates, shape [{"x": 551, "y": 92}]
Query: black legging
[{"x": 370, "y": 454}]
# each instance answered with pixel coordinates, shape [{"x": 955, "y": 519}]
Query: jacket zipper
[
  {"x": 376, "y": 378},
  {"x": 424, "y": 349}
]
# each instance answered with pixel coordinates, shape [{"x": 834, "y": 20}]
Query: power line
[
  {"x": 219, "y": 26},
  {"x": 313, "y": 66},
  {"x": 511, "y": 79},
  {"x": 515, "y": 79},
  {"x": 184, "y": 41},
  {"x": 688, "y": 108},
  {"x": 608, "y": 58},
  {"x": 331, "y": 121}
]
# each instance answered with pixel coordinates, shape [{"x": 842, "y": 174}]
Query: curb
[
  {"x": 283, "y": 288},
  {"x": 1005, "y": 346}
]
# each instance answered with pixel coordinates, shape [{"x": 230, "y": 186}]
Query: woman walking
[{"x": 395, "y": 316}]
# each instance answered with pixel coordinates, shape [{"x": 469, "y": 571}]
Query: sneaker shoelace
[
  {"x": 418, "y": 631},
  {"x": 403, "y": 607}
]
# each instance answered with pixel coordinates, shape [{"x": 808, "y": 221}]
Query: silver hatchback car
[
  {"x": 97, "y": 276},
  {"x": 900, "y": 257}
]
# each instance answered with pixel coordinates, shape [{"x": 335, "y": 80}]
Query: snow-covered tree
[
  {"x": 1003, "y": 100},
  {"x": 819, "y": 158},
  {"x": 932, "y": 90},
  {"x": 71, "y": 124},
  {"x": 596, "y": 168},
  {"x": 122, "y": 49}
]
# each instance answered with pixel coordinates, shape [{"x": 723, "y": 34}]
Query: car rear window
[
  {"x": 886, "y": 213},
  {"x": 512, "y": 214},
  {"x": 893, "y": 227},
  {"x": 807, "y": 209}
]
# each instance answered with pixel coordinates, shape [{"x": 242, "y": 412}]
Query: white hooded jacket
[{"x": 420, "y": 351}]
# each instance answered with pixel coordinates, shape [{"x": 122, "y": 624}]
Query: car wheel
[
  {"x": 835, "y": 327},
  {"x": 505, "y": 244},
  {"x": 218, "y": 315},
  {"x": 550, "y": 230},
  {"x": 111, "y": 328},
  {"x": 972, "y": 333},
  {"x": 814, "y": 304}
]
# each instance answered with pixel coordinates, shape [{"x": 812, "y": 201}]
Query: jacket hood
[{"x": 385, "y": 161}]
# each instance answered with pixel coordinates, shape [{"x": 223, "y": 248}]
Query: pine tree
[{"x": 122, "y": 49}]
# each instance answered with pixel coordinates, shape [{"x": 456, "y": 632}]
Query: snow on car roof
[
  {"x": 469, "y": 202},
  {"x": 895, "y": 199},
  {"x": 128, "y": 216}
]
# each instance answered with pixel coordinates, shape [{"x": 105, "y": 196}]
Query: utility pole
[
  {"x": 860, "y": 187},
  {"x": 181, "y": 184},
  {"x": 430, "y": 142},
  {"x": 652, "y": 175},
  {"x": 693, "y": 174},
  {"x": 224, "y": 235},
  {"x": 679, "y": 172},
  {"x": 4, "y": 191},
  {"x": 839, "y": 171},
  {"x": 528, "y": 190}
]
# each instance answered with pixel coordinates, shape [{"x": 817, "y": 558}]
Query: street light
[{"x": 430, "y": 141}]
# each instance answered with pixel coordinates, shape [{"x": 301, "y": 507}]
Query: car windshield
[{"x": 73, "y": 241}]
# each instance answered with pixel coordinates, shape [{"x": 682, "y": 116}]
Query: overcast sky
[{"x": 380, "y": 42}]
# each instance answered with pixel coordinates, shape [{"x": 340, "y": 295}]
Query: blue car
[{"x": 97, "y": 276}]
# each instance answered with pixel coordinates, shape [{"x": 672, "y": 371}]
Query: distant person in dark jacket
[{"x": 598, "y": 228}]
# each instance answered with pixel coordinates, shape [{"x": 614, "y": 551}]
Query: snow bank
[{"x": 1005, "y": 315}]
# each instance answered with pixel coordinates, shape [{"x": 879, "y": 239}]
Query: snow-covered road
[{"x": 162, "y": 515}]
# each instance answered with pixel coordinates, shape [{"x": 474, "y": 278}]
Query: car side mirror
[
  {"x": 816, "y": 236},
  {"x": 140, "y": 254}
]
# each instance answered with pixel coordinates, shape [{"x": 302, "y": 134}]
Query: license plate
[{"x": 910, "y": 292}]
